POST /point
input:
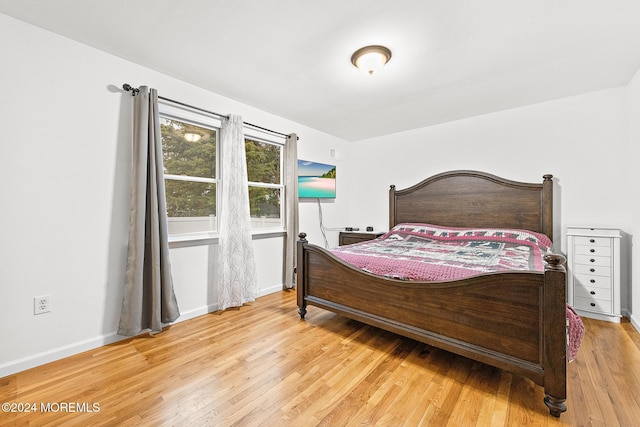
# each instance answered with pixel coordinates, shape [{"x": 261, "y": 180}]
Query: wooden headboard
[{"x": 466, "y": 198}]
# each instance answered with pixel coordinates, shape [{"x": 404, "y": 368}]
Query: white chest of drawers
[{"x": 594, "y": 272}]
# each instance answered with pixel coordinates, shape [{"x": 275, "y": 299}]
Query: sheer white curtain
[
  {"x": 291, "y": 209},
  {"x": 237, "y": 282},
  {"x": 149, "y": 300}
]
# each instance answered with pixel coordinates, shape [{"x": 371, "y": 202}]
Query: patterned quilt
[{"x": 431, "y": 253}]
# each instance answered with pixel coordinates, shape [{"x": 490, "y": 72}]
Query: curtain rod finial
[{"x": 127, "y": 87}]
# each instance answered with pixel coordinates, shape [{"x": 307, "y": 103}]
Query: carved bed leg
[
  {"x": 302, "y": 311},
  {"x": 300, "y": 277},
  {"x": 556, "y": 406}
]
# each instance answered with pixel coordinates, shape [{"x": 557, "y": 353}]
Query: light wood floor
[{"x": 262, "y": 365}]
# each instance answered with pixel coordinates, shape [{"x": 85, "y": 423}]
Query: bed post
[
  {"x": 555, "y": 334},
  {"x": 392, "y": 206},
  {"x": 547, "y": 205},
  {"x": 301, "y": 285}
]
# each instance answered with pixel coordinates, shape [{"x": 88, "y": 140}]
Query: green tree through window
[
  {"x": 263, "y": 166},
  {"x": 189, "y": 154},
  {"x": 190, "y": 168}
]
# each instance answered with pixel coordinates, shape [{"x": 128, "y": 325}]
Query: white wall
[
  {"x": 634, "y": 195},
  {"x": 64, "y": 170},
  {"x": 581, "y": 140}
]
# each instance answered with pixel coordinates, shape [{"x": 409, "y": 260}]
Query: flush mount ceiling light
[{"x": 371, "y": 59}]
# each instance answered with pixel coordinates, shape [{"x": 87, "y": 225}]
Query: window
[
  {"x": 189, "y": 153},
  {"x": 264, "y": 172},
  {"x": 191, "y": 166}
]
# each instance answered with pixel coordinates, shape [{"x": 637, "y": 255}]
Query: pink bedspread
[
  {"x": 431, "y": 253},
  {"x": 427, "y": 252}
]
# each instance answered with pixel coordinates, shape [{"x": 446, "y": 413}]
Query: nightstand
[
  {"x": 593, "y": 282},
  {"x": 349, "y": 237}
]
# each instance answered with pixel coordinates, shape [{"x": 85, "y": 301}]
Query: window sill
[{"x": 202, "y": 239}]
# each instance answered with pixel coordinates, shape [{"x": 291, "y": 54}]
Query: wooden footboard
[{"x": 515, "y": 321}]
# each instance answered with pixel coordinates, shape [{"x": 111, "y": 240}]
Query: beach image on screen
[{"x": 316, "y": 180}]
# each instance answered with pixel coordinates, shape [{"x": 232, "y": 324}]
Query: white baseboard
[
  {"x": 635, "y": 322},
  {"x": 52, "y": 355},
  {"x": 271, "y": 290},
  {"x": 196, "y": 312}
]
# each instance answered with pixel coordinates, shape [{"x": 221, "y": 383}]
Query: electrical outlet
[{"x": 42, "y": 304}]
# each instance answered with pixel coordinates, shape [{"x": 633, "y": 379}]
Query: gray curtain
[
  {"x": 291, "y": 209},
  {"x": 237, "y": 282},
  {"x": 149, "y": 300}
]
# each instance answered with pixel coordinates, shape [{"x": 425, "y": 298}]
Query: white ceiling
[{"x": 451, "y": 58}]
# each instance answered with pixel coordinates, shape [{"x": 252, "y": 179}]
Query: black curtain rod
[{"x": 134, "y": 91}]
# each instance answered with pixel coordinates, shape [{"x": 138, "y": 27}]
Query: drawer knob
[
  {"x": 592, "y": 250},
  {"x": 593, "y": 270},
  {"x": 592, "y": 260},
  {"x": 593, "y": 304},
  {"x": 593, "y": 280},
  {"x": 592, "y": 292},
  {"x": 592, "y": 240}
]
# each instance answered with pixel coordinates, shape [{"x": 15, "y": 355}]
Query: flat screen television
[{"x": 316, "y": 180}]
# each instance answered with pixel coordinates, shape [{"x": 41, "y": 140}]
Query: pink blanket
[
  {"x": 575, "y": 331},
  {"x": 431, "y": 253}
]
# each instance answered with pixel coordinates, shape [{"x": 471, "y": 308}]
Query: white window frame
[
  {"x": 268, "y": 138},
  {"x": 184, "y": 114}
]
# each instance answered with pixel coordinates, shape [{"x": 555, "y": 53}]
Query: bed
[{"x": 513, "y": 320}]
